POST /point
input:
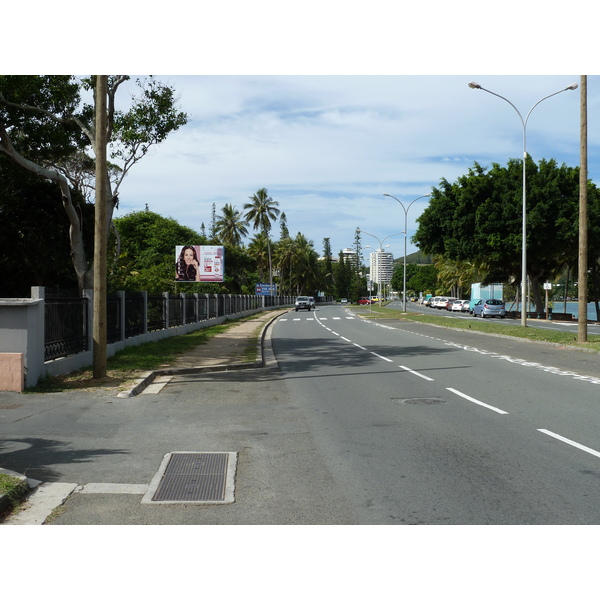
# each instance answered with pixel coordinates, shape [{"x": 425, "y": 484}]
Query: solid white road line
[
  {"x": 571, "y": 442},
  {"x": 382, "y": 357},
  {"x": 415, "y": 373},
  {"x": 502, "y": 412}
]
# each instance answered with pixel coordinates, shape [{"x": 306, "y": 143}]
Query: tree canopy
[
  {"x": 47, "y": 127},
  {"x": 478, "y": 219}
]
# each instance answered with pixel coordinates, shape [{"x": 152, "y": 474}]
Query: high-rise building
[{"x": 382, "y": 267}]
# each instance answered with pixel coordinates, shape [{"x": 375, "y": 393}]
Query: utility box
[{"x": 486, "y": 292}]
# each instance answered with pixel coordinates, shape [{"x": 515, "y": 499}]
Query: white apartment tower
[{"x": 382, "y": 267}]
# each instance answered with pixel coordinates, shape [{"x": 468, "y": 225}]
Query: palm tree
[
  {"x": 230, "y": 226},
  {"x": 284, "y": 260},
  {"x": 258, "y": 250},
  {"x": 261, "y": 213}
]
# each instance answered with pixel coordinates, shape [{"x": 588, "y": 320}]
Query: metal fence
[
  {"x": 66, "y": 324},
  {"x": 130, "y": 314}
]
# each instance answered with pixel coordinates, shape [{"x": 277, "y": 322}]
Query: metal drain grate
[{"x": 194, "y": 477}]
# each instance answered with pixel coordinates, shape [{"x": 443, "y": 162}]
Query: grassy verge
[
  {"x": 488, "y": 326},
  {"x": 126, "y": 365},
  {"x": 13, "y": 488}
]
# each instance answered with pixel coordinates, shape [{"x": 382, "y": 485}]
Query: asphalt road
[
  {"x": 363, "y": 422},
  {"x": 425, "y": 425}
]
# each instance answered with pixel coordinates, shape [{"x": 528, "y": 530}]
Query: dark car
[
  {"x": 489, "y": 308},
  {"x": 302, "y": 302}
]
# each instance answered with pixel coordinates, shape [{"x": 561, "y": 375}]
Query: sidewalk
[{"x": 226, "y": 351}]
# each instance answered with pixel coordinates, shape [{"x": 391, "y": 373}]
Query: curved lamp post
[
  {"x": 476, "y": 86},
  {"x": 405, "y": 230},
  {"x": 380, "y": 254}
]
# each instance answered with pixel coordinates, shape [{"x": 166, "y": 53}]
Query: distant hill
[{"x": 416, "y": 257}]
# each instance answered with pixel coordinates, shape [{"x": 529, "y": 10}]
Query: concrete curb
[{"x": 31, "y": 484}]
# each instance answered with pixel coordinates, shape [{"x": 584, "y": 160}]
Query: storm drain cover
[{"x": 193, "y": 478}]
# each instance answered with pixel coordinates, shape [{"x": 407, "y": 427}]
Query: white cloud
[{"x": 327, "y": 148}]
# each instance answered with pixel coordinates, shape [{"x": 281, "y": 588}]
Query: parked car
[
  {"x": 364, "y": 301},
  {"x": 302, "y": 302},
  {"x": 461, "y": 305},
  {"x": 449, "y": 302},
  {"x": 489, "y": 308},
  {"x": 312, "y": 302}
]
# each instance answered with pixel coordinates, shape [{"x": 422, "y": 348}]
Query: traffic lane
[
  {"x": 319, "y": 341},
  {"x": 409, "y": 452},
  {"x": 542, "y": 384}
]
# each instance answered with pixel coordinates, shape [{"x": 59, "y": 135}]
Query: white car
[{"x": 461, "y": 305}]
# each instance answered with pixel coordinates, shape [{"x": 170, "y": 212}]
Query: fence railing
[
  {"x": 130, "y": 314},
  {"x": 51, "y": 332}
]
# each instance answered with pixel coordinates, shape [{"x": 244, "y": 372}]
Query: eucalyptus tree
[
  {"x": 261, "y": 213},
  {"x": 48, "y": 128},
  {"x": 230, "y": 227}
]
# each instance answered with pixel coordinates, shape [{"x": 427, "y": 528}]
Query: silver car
[
  {"x": 489, "y": 308},
  {"x": 302, "y": 302}
]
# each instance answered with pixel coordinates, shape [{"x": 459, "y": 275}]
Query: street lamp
[
  {"x": 476, "y": 86},
  {"x": 380, "y": 253},
  {"x": 405, "y": 209}
]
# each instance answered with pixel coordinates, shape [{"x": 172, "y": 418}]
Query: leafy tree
[
  {"x": 147, "y": 259},
  {"x": 31, "y": 253},
  {"x": 479, "y": 218},
  {"x": 46, "y": 127}
]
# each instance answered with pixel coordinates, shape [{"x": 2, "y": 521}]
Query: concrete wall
[{"x": 22, "y": 332}]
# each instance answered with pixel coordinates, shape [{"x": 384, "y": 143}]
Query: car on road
[
  {"x": 489, "y": 308},
  {"x": 302, "y": 302},
  {"x": 364, "y": 301},
  {"x": 313, "y": 304},
  {"x": 344, "y": 301}
]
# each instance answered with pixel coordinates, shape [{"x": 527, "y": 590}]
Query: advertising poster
[{"x": 199, "y": 263}]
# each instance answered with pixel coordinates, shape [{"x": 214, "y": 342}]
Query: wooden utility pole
[
  {"x": 583, "y": 220},
  {"x": 100, "y": 231}
]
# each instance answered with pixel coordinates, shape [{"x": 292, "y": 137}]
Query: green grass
[
  {"x": 490, "y": 326},
  {"x": 126, "y": 365},
  {"x": 13, "y": 487}
]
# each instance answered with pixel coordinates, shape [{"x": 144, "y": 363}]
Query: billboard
[{"x": 199, "y": 263}]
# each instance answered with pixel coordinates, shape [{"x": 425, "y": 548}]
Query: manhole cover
[
  {"x": 193, "y": 478},
  {"x": 420, "y": 400}
]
